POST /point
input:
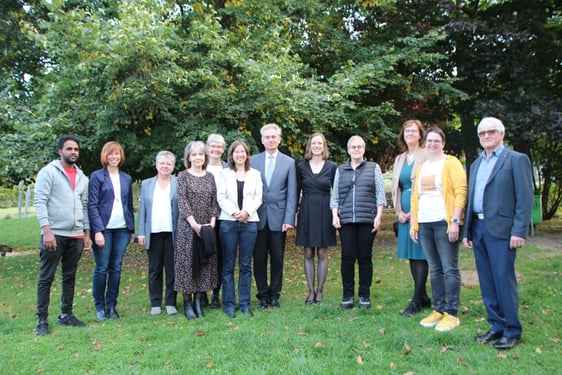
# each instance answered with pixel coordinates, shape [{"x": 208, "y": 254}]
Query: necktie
[{"x": 269, "y": 172}]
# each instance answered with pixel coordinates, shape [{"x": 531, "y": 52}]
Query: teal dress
[{"x": 407, "y": 249}]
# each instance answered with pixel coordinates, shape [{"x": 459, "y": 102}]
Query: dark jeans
[
  {"x": 69, "y": 251},
  {"x": 443, "y": 259},
  {"x": 160, "y": 258},
  {"x": 108, "y": 267},
  {"x": 269, "y": 244},
  {"x": 357, "y": 246},
  {"x": 236, "y": 235}
]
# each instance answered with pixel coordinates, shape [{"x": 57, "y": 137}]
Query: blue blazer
[
  {"x": 101, "y": 197},
  {"x": 280, "y": 197},
  {"x": 508, "y": 196},
  {"x": 145, "y": 207}
]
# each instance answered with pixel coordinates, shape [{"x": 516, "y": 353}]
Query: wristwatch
[{"x": 455, "y": 220}]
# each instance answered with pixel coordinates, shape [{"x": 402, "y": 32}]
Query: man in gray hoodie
[{"x": 61, "y": 204}]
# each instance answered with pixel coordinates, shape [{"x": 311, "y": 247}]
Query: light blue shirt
[{"x": 482, "y": 176}]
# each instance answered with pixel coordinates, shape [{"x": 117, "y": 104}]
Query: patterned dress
[
  {"x": 314, "y": 224},
  {"x": 197, "y": 196}
]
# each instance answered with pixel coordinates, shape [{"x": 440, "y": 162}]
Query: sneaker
[
  {"x": 448, "y": 323},
  {"x": 432, "y": 319},
  {"x": 364, "y": 303},
  {"x": 70, "y": 320},
  {"x": 171, "y": 310},
  {"x": 113, "y": 314},
  {"x": 42, "y": 327},
  {"x": 347, "y": 303},
  {"x": 101, "y": 315},
  {"x": 156, "y": 310}
]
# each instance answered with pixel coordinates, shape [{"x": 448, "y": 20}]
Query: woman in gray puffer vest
[{"x": 357, "y": 204}]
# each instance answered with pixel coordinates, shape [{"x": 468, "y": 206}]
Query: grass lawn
[{"x": 296, "y": 339}]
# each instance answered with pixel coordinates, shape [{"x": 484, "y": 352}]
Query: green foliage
[{"x": 153, "y": 75}]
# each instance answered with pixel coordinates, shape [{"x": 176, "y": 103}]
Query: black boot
[
  {"x": 198, "y": 305},
  {"x": 187, "y": 307}
]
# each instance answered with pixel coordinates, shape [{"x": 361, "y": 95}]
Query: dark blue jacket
[{"x": 101, "y": 197}]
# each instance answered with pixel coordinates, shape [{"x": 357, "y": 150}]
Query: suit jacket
[
  {"x": 227, "y": 194},
  {"x": 145, "y": 207},
  {"x": 280, "y": 197},
  {"x": 101, "y": 197},
  {"x": 508, "y": 196}
]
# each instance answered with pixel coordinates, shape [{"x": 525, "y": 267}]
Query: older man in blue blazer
[
  {"x": 277, "y": 214},
  {"x": 500, "y": 201}
]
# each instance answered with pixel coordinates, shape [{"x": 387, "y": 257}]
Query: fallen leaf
[
  {"x": 392, "y": 365},
  {"x": 96, "y": 344},
  {"x": 444, "y": 348},
  {"x": 382, "y": 331},
  {"x": 538, "y": 350},
  {"x": 301, "y": 333},
  {"x": 60, "y": 347},
  {"x": 408, "y": 350},
  {"x": 556, "y": 341},
  {"x": 501, "y": 355},
  {"x": 465, "y": 309},
  {"x": 360, "y": 360},
  {"x": 199, "y": 333},
  {"x": 409, "y": 373},
  {"x": 516, "y": 356},
  {"x": 459, "y": 359},
  {"x": 319, "y": 345},
  {"x": 209, "y": 364}
]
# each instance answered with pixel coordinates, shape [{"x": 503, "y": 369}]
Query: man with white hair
[{"x": 498, "y": 212}]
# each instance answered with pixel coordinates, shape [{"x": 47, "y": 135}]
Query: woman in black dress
[{"x": 315, "y": 177}]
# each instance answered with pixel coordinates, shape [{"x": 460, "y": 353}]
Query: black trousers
[
  {"x": 269, "y": 244},
  {"x": 357, "y": 246},
  {"x": 160, "y": 258},
  {"x": 68, "y": 251}
]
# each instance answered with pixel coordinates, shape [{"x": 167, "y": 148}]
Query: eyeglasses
[
  {"x": 356, "y": 147},
  {"x": 432, "y": 141},
  {"x": 484, "y": 133},
  {"x": 411, "y": 131}
]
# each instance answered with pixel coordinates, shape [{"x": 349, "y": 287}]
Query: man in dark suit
[
  {"x": 276, "y": 214},
  {"x": 500, "y": 201}
]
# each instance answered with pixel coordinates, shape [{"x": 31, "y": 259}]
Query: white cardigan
[{"x": 227, "y": 194}]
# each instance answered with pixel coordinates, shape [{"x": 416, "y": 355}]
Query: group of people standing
[
  {"x": 196, "y": 225},
  {"x": 431, "y": 194}
]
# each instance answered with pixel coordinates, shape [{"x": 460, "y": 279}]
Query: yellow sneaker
[
  {"x": 448, "y": 323},
  {"x": 432, "y": 319}
]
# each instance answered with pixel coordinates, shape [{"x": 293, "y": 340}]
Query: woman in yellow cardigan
[{"x": 438, "y": 201}]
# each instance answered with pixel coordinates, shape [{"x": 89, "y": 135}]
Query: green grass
[
  {"x": 296, "y": 339},
  {"x": 12, "y": 213},
  {"x": 20, "y": 234}
]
